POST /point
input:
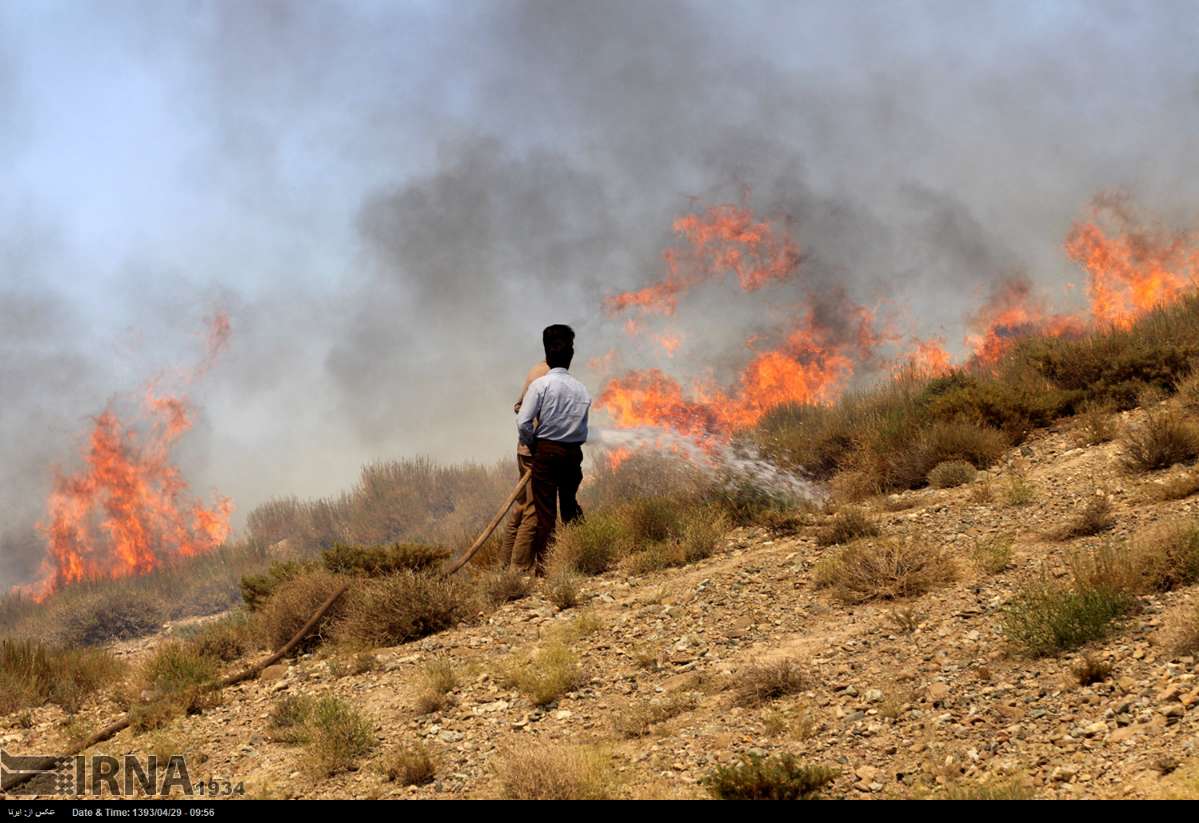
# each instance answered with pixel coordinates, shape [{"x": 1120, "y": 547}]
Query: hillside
[{"x": 917, "y": 697}]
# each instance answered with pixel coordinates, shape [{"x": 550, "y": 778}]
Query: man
[
  {"x": 522, "y": 523},
  {"x": 560, "y": 405}
]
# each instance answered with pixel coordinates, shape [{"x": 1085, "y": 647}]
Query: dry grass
[
  {"x": 410, "y": 765},
  {"x": 884, "y": 570},
  {"x": 504, "y": 586},
  {"x": 638, "y": 718},
  {"x": 226, "y": 639},
  {"x": 376, "y": 561},
  {"x": 847, "y": 526},
  {"x": 993, "y": 555},
  {"x": 1096, "y": 517},
  {"x": 1182, "y": 632},
  {"x": 950, "y": 474},
  {"x": 399, "y": 608},
  {"x": 289, "y": 719},
  {"x": 590, "y": 546},
  {"x": 1019, "y": 490},
  {"x": 1096, "y": 424},
  {"x": 562, "y": 588},
  {"x": 1164, "y": 557},
  {"x": 555, "y": 772},
  {"x": 1091, "y": 670},
  {"x": 991, "y": 790},
  {"x": 546, "y": 674},
  {"x": 769, "y": 681},
  {"x": 33, "y": 673},
  {"x": 1164, "y": 439},
  {"x": 1177, "y": 487}
]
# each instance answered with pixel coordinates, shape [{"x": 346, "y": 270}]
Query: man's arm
[
  {"x": 540, "y": 370},
  {"x": 530, "y": 408}
]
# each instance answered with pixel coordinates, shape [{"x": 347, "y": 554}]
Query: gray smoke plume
[{"x": 391, "y": 202}]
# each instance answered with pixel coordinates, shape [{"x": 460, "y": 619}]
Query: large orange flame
[
  {"x": 1131, "y": 268},
  {"x": 127, "y": 510},
  {"x": 1014, "y": 310}
]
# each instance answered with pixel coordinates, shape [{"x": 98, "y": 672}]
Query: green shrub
[
  {"x": 504, "y": 586},
  {"x": 403, "y": 607},
  {"x": 375, "y": 561},
  {"x": 1166, "y": 556},
  {"x": 884, "y": 570},
  {"x": 1046, "y": 618},
  {"x": 103, "y": 615},
  {"x": 256, "y": 589},
  {"x": 1095, "y": 517},
  {"x": 950, "y": 474},
  {"x": 295, "y": 601},
  {"x": 545, "y": 675},
  {"x": 1015, "y": 405},
  {"x": 226, "y": 639},
  {"x": 781, "y": 777},
  {"x": 338, "y": 737},
  {"x": 562, "y": 588},
  {"x": 993, "y": 555},
  {"x": 590, "y": 546},
  {"x": 177, "y": 669},
  {"x": 289, "y": 719}
]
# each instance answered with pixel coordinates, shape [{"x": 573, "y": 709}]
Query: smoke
[{"x": 391, "y": 203}]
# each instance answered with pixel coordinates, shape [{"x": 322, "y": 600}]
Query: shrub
[
  {"x": 769, "y": 681},
  {"x": 1166, "y": 556},
  {"x": 1178, "y": 487},
  {"x": 1095, "y": 517},
  {"x": 901, "y": 455},
  {"x": 884, "y": 570},
  {"x": 289, "y": 719},
  {"x": 1019, "y": 491},
  {"x": 410, "y": 765},
  {"x": 651, "y": 520},
  {"x": 589, "y": 546},
  {"x": 105, "y": 614},
  {"x": 500, "y": 587},
  {"x": 781, "y": 777},
  {"x": 293, "y": 603},
  {"x": 638, "y": 719},
  {"x": 950, "y": 474},
  {"x": 554, "y": 772},
  {"x": 847, "y": 526},
  {"x": 226, "y": 639},
  {"x": 562, "y": 588},
  {"x": 1046, "y": 618},
  {"x": 33, "y": 673},
  {"x": 1183, "y": 634},
  {"x": 403, "y": 607},
  {"x": 440, "y": 678},
  {"x": 1162, "y": 440},
  {"x": 176, "y": 669},
  {"x": 256, "y": 589},
  {"x": 1096, "y": 424},
  {"x": 993, "y": 790},
  {"x": 993, "y": 555},
  {"x": 545, "y": 675},
  {"x": 813, "y": 438},
  {"x": 374, "y": 561},
  {"x": 338, "y": 736}
]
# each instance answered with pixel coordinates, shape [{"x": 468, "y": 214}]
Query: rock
[
  {"x": 938, "y": 692},
  {"x": 874, "y": 696},
  {"x": 1064, "y": 774},
  {"x": 272, "y": 673},
  {"x": 866, "y": 773}
]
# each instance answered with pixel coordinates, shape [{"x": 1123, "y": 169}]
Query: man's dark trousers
[{"x": 557, "y": 473}]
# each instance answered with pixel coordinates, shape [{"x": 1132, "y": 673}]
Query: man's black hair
[{"x": 559, "y": 342}]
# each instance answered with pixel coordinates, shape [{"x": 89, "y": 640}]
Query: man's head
[{"x": 559, "y": 342}]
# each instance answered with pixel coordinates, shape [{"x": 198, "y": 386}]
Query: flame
[
  {"x": 1012, "y": 311},
  {"x": 1131, "y": 268},
  {"x": 928, "y": 357},
  {"x": 723, "y": 239},
  {"x": 127, "y": 510},
  {"x": 669, "y": 343}
]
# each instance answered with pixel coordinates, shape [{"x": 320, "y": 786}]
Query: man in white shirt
[{"x": 560, "y": 406}]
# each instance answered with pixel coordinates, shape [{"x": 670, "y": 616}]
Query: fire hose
[
  {"x": 495, "y": 521},
  {"x": 110, "y": 731}
]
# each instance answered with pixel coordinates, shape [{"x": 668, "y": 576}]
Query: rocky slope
[{"x": 905, "y": 699}]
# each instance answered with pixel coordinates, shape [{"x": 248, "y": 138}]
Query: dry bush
[
  {"x": 107, "y": 614},
  {"x": 1096, "y": 424},
  {"x": 1165, "y": 557},
  {"x": 769, "y": 681},
  {"x": 257, "y": 588},
  {"x": 33, "y": 673},
  {"x": 1096, "y": 517},
  {"x": 175, "y": 679},
  {"x": 650, "y": 520},
  {"x": 562, "y": 588},
  {"x": 410, "y": 765},
  {"x": 545, "y": 675},
  {"x": 905, "y": 619},
  {"x": 644, "y": 474},
  {"x": 1020, "y": 490},
  {"x": 338, "y": 737},
  {"x": 225, "y": 639},
  {"x": 637, "y": 719},
  {"x": 293, "y": 603},
  {"x": 884, "y": 570},
  {"x": 589, "y": 546},
  {"x": 780, "y": 777},
  {"x": 439, "y": 678},
  {"x": 376, "y": 561},
  {"x": 994, "y": 554},
  {"x": 692, "y": 537},
  {"x": 983, "y": 493},
  {"x": 1183, "y": 632},
  {"x": 1091, "y": 670},
  {"x": 1164, "y": 439},
  {"x": 289, "y": 719},
  {"x": 847, "y": 526},
  {"x": 555, "y": 772},
  {"x": 403, "y": 607},
  {"x": 991, "y": 790},
  {"x": 504, "y": 586},
  {"x": 950, "y": 474},
  {"x": 1178, "y": 487}
]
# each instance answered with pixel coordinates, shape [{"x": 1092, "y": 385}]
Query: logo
[{"x": 102, "y": 775}]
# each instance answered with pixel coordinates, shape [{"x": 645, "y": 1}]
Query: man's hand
[{"x": 516, "y": 407}]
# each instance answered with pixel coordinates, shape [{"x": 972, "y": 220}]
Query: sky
[{"x": 391, "y": 199}]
